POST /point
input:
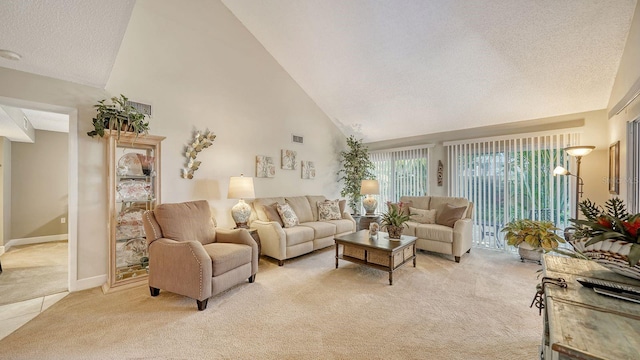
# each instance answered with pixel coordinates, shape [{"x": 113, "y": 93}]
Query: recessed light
[{"x": 11, "y": 55}]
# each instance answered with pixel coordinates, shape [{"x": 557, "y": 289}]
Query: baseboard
[
  {"x": 35, "y": 240},
  {"x": 88, "y": 283}
]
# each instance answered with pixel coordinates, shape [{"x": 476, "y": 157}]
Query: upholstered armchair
[{"x": 190, "y": 257}]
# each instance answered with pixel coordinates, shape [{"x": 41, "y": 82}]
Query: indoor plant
[
  {"x": 532, "y": 237},
  {"x": 118, "y": 116},
  {"x": 394, "y": 220},
  {"x": 609, "y": 236},
  {"x": 356, "y": 166}
]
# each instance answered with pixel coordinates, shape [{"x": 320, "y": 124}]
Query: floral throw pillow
[
  {"x": 328, "y": 210},
  {"x": 288, "y": 216}
]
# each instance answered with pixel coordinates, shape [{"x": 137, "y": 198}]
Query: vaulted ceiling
[{"x": 378, "y": 69}]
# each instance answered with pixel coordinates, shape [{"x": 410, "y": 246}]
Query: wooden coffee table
[{"x": 379, "y": 253}]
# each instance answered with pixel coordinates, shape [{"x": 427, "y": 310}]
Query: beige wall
[
  {"x": 5, "y": 191},
  {"x": 39, "y": 185},
  {"x": 628, "y": 74},
  {"x": 206, "y": 71}
]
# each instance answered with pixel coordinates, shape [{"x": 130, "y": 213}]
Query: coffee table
[{"x": 379, "y": 253}]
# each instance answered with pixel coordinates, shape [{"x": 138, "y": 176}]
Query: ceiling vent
[
  {"x": 297, "y": 139},
  {"x": 142, "y": 108}
]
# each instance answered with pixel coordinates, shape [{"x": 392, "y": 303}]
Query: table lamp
[
  {"x": 369, "y": 188},
  {"x": 241, "y": 188}
]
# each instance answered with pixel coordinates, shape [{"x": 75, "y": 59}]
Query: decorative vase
[
  {"x": 610, "y": 253},
  {"x": 394, "y": 231},
  {"x": 528, "y": 252}
]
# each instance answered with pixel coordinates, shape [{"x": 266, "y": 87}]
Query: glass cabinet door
[{"x": 134, "y": 187}]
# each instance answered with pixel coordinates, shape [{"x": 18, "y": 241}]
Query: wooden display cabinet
[{"x": 133, "y": 188}]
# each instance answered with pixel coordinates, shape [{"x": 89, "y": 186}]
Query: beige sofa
[
  {"x": 451, "y": 240},
  {"x": 283, "y": 243}
]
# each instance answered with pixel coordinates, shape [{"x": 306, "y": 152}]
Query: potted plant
[
  {"x": 118, "y": 116},
  {"x": 532, "y": 237},
  {"x": 394, "y": 220},
  {"x": 356, "y": 166}
]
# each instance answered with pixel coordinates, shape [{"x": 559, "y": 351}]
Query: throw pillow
[
  {"x": 272, "y": 213},
  {"x": 329, "y": 210},
  {"x": 289, "y": 217},
  {"x": 423, "y": 216},
  {"x": 342, "y": 204},
  {"x": 450, "y": 215}
]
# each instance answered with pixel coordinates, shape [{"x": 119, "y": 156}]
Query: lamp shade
[
  {"x": 579, "y": 150},
  {"x": 369, "y": 187},
  {"x": 559, "y": 170},
  {"x": 241, "y": 187}
]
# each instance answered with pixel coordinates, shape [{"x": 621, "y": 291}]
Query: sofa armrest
[
  {"x": 182, "y": 267},
  {"x": 347, "y": 216},
  {"x": 240, "y": 236},
  {"x": 272, "y": 238},
  {"x": 462, "y": 236}
]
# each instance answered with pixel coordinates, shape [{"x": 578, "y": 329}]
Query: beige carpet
[
  {"x": 478, "y": 309},
  {"x": 32, "y": 271}
]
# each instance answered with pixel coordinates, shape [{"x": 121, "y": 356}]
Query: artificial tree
[{"x": 356, "y": 166}]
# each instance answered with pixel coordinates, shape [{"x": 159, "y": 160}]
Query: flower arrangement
[
  {"x": 538, "y": 234},
  {"x": 394, "y": 219},
  {"x": 612, "y": 222}
]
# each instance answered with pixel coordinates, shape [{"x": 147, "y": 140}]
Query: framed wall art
[
  {"x": 289, "y": 159},
  {"x": 614, "y": 168},
  {"x": 265, "y": 167},
  {"x": 308, "y": 170}
]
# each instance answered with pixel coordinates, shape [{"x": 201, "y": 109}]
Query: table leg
[
  {"x": 336, "y": 255},
  {"x": 391, "y": 277},
  {"x": 414, "y": 255}
]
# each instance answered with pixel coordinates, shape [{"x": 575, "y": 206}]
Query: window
[
  {"x": 400, "y": 172},
  {"x": 509, "y": 179},
  {"x": 633, "y": 166}
]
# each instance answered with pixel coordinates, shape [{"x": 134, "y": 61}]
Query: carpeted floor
[
  {"x": 477, "y": 309},
  {"x": 32, "y": 271}
]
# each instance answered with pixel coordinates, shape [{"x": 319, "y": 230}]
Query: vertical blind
[
  {"x": 400, "y": 172},
  {"x": 633, "y": 166},
  {"x": 512, "y": 178}
]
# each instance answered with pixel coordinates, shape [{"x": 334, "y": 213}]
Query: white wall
[
  {"x": 5, "y": 193},
  {"x": 201, "y": 69},
  {"x": 628, "y": 74}
]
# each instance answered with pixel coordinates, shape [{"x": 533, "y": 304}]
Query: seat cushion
[
  {"x": 342, "y": 225},
  {"x": 298, "y": 234},
  {"x": 227, "y": 256},
  {"x": 186, "y": 221},
  {"x": 435, "y": 232},
  {"x": 321, "y": 228}
]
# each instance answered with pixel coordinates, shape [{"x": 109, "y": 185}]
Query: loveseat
[
  {"x": 442, "y": 224},
  {"x": 314, "y": 229}
]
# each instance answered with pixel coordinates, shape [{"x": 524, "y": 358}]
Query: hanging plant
[
  {"x": 199, "y": 143},
  {"x": 118, "y": 116}
]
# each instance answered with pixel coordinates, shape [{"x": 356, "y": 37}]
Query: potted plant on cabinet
[
  {"x": 356, "y": 166},
  {"x": 532, "y": 237},
  {"x": 118, "y": 116}
]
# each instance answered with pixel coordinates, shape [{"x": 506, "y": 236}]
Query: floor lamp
[{"x": 578, "y": 152}]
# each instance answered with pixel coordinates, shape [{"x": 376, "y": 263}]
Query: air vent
[
  {"x": 297, "y": 139},
  {"x": 142, "y": 108}
]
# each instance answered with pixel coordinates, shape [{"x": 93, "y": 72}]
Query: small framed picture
[{"x": 614, "y": 168}]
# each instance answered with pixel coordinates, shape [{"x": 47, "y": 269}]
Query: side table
[
  {"x": 256, "y": 237},
  {"x": 366, "y": 220}
]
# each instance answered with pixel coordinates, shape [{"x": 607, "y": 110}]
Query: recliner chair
[{"x": 190, "y": 257}]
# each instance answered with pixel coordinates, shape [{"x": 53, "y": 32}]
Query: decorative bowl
[{"x": 612, "y": 254}]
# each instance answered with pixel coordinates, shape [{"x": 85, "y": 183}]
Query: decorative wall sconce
[{"x": 200, "y": 142}]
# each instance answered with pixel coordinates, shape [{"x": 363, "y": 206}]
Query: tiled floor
[{"x": 13, "y": 316}]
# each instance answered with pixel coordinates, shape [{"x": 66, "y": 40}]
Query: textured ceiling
[
  {"x": 74, "y": 40},
  {"x": 392, "y": 69}
]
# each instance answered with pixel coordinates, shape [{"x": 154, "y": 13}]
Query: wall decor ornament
[
  {"x": 308, "y": 170},
  {"x": 200, "y": 142},
  {"x": 289, "y": 159},
  {"x": 440, "y": 173},
  {"x": 614, "y": 168},
  {"x": 265, "y": 167}
]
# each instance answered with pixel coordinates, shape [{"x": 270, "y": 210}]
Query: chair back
[{"x": 187, "y": 221}]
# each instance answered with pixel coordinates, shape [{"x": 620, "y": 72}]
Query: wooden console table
[{"x": 580, "y": 324}]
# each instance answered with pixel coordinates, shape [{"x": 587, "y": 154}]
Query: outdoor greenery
[
  {"x": 612, "y": 222},
  {"x": 356, "y": 166},
  {"x": 118, "y": 116},
  {"x": 538, "y": 234}
]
